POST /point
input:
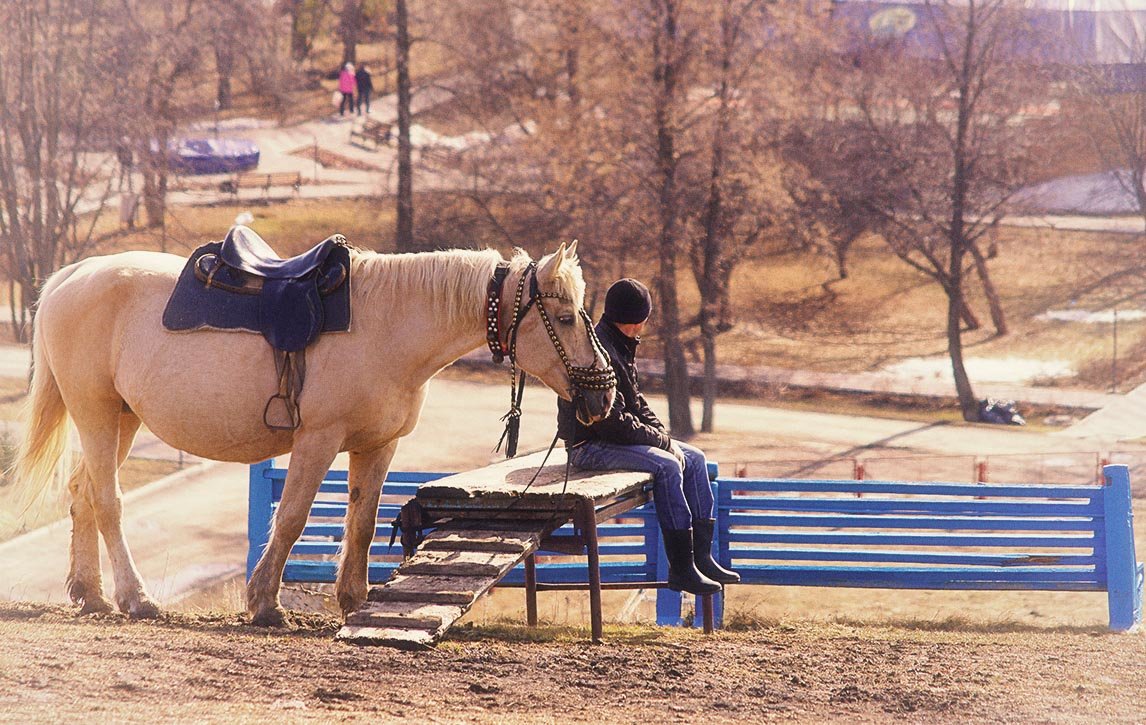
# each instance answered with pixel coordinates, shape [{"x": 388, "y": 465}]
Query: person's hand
[{"x": 675, "y": 449}]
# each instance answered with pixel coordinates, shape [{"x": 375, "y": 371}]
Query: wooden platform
[
  {"x": 490, "y": 519},
  {"x": 500, "y": 484}
]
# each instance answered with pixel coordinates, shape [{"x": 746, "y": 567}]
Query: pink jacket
[{"x": 346, "y": 82}]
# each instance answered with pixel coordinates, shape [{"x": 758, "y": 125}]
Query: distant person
[
  {"x": 632, "y": 438},
  {"x": 126, "y": 162},
  {"x": 365, "y": 85},
  {"x": 347, "y": 87}
]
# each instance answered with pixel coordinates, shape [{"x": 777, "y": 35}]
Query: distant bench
[
  {"x": 262, "y": 181},
  {"x": 786, "y": 532},
  {"x": 371, "y": 130}
]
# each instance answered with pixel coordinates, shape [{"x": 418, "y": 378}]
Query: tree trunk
[
  {"x": 957, "y": 240},
  {"x": 665, "y": 79},
  {"x": 299, "y": 39},
  {"x": 224, "y": 69},
  {"x": 998, "y": 317},
  {"x": 967, "y": 403},
  {"x": 970, "y": 319},
  {"x": 405, "y": 233},
  {"x": 155, "y": 182},
  {"x": 350, "y": 27},
  {"x": 710, "y": 387}
]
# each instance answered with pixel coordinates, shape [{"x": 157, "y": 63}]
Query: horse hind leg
[
  {"x": 85, "y": 583},
  {"x": 106, "y": 439}
]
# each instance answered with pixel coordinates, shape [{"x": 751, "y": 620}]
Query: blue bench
[
  {"x": 785, "y": 532},
  {"x": 880, "y": 534}
]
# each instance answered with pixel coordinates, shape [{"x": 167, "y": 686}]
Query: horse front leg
[
  {"x": 367, "y": 473},
  {"x": 310, "y": 459}
]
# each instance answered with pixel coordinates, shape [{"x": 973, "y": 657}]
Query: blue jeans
[{"x": 681, "y": 496}]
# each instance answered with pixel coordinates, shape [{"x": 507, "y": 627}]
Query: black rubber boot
[
  {"x": 702, "y": 553},
  {"x": 683, "y": 575}
]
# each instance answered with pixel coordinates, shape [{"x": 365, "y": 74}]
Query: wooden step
[
  {"x": 409, "y": 639},
  {"x": 460, "y": 590},
  {"x": 404, "y": 615},
  {"x": 460, "y": 563},
  {"x": 472, "y": 539}
]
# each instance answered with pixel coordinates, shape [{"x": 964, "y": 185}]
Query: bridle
[{"x": 580, "y": 378}]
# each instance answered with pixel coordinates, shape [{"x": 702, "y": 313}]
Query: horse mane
[{"x": 458, "y": 278}]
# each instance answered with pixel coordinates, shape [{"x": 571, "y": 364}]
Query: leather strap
[{"x": 493, "y": 312}]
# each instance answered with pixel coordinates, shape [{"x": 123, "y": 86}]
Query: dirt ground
[
  {"x": 792, "y": 654},
  {"x": 57, "y": 667}
]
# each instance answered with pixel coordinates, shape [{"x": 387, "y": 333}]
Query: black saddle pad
[{"x": 290, "y": 314}]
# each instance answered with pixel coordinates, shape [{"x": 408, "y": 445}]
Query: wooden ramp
[{"x": 489, "y": 522}]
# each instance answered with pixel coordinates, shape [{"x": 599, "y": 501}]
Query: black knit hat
[{"x": 628, "y": 302}]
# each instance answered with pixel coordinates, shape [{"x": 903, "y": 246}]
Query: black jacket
[
  {"x": 630, "y": 421},
  {"x": 364, "y": 81}
]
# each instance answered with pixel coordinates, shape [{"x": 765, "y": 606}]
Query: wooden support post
[
  {"x": 588, "y": 516},
  {"x": 709, "y": 618},
  {"x": 531, "y": 591}
]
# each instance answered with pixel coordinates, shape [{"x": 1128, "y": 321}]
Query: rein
[{"x": 580, "y": 378}]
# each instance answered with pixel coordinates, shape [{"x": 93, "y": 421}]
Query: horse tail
[{"x": 46, "y": 440}]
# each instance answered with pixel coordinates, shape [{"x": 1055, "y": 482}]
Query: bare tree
[
  {"x": 730, "y": 199},
  {"x": 631, "y": 129},
  {"x": 160, "y": 50},
  {"x": 54, "y": 95},
  {"x": 945, "y": 149},
  {"x": 306, "y": 19}
]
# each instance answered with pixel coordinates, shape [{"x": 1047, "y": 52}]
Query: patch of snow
[
  {"x": 420, "y": 136},
  {"x": 1093, "y": 317},
  {"x": 231, "y": 124},
  {"x": 996, "y": 370}
]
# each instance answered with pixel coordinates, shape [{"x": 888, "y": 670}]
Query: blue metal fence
[{"x": 876, "y": 534}]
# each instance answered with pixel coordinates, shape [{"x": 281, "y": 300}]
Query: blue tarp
[{"x": 212, "y": 155}]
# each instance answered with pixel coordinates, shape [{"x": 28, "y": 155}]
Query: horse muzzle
[{"x": 593, "y": 405}]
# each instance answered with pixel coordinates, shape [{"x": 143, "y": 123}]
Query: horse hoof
[
  {"x": 144, "y": 609},
  {"x": 96, "y": 605},
  {"x": 350, "y": 603},
  {"x": 276, "y": 617}
]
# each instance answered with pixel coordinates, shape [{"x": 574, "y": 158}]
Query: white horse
[{"x": 102, "y": 357}]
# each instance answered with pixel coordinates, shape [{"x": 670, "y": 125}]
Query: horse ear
[
  {"x": 571, "y": 252},
  {"x": 548, "y": 270}
]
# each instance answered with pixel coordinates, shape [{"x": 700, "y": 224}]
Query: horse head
[{"x": 556, "y": 343}]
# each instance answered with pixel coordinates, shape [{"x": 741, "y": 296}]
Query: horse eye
[{"x": 565, "y": 319}]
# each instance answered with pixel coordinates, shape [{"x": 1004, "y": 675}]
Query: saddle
[{"x": 241, "y": 284}]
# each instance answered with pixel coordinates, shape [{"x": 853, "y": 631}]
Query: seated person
[{"x": 632, "y": 438}]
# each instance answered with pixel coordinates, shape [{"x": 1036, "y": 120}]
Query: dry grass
[{"x": 13, "y": 391}]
